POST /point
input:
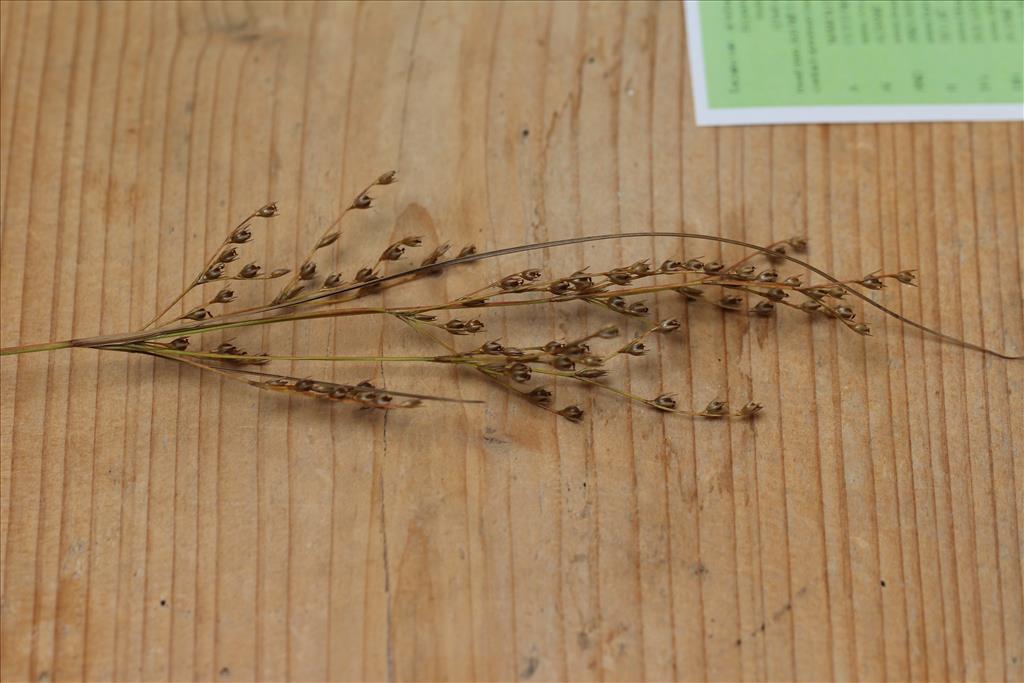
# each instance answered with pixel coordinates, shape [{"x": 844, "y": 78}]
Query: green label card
[{"x": 819, "y": 61}]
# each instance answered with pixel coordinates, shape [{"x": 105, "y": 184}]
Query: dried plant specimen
[{"x": 310, "y": 291}]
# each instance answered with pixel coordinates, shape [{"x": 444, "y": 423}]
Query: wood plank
[{"x": 157, "y": 524}]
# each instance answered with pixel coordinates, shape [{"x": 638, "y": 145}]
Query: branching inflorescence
[{"x": 313, "y": 290}]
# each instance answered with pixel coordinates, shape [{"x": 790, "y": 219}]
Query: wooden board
[{"x": 161, "y": 525}]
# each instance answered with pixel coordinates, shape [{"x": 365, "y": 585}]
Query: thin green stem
[{"x": 35, "y": 348}]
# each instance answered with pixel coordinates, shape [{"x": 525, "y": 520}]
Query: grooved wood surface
[{"x": 161, "y": 525}]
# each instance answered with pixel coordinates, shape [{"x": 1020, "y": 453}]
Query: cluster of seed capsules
[{"x": 575, "y": 360}]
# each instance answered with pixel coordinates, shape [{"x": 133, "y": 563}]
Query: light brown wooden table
[{"x": 161, "y": 525}]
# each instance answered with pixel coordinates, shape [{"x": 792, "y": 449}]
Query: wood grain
[{"x": 158, "y": 525}]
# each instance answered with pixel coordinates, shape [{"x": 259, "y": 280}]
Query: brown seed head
[
  {"x": 213, "y": 272},
  {"x": 224, "y": 296},
  {"x": 388, "y": 178},
  {"x": 691, "y": 293},
  {"x": 636, "y": 348},
  {"x": 241, "y": 235},
  {"x": 619, "y": 276},
  {"x": 745, "y": 272},
  {"x": 179, "y": 344},
  {"x": 511, "y": 282},
  {"x": 639, "y": 308},
  {"x": 436, "y": 255},
  {"x": 716, "y": 408},
  {"x": 332, "y": 281},
  {"x": 750, "y": 409},
  {"x": 268, "y": 210},
  {"x": 393, "y": 252},
  {"x": 845, "y": 312},
  {"x": 731, "y": 301},
  {"x": 906, "y": 276},
  {"x": 250, "y": 270},
  {"x": 540, "y": 396},
  {"x": 563, "y": 363},
  {"x": 307, "y": 271},
  {"x": 665, "y": 402},
  {"x": 363, "y": 201},
  {"x": 872, "y": 282},
  {"x": 572, "y": 413},
  {"x": 520, "y": 372},
  {"x": 365, "y": 274},
  {"x": 492, "y": 348},
  {"x": 228, "y": 255},
  {"x": 810, "y": 305},
  {"x": 328, "y": 239}
]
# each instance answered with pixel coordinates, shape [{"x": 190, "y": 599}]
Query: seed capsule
[
  {"x": 572, "y": 413},
  {"x": 520, "y": 372},
  {"x": 872, "y": 282},
  {"x": 716, "y": 408},
  {"x": 906, "y": 277},
  {"x": 540, "y": 396},
  {"x": 250, "y": 270},
  {"x": 665, "y": 402},
  {"x": 224, "y": 296},
  {"x": 511, "y": 282},
  {"x": 563, "y": 363},
  {"x": 750, "y": 409},
  {"x": 637, "y": 348},
  {"x": 328, "y": 239},
  {"x": 845, "y": 312},
  {"x": 241, "y": 235},
  {"x": 639, "y": 308},
  {"x": 214, "y": 271}
]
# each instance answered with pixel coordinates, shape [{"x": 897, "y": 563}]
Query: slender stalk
[{"x": 36, "y": 348}]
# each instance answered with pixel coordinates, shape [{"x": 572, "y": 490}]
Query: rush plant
[{"x": 310, "y": 290}]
